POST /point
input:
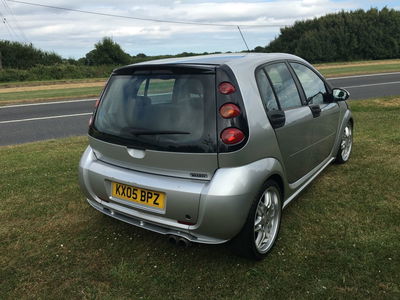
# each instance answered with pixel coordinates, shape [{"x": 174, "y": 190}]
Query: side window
[
  {"x": 284, "y": 85},
  {"x": 313, "y": 86},
  {"x": 158, "y": 90},
  {"x": 266, "y": 92}
]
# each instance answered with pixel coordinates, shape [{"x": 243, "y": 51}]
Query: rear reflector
[
  {"x": 232, "y": 136},
  {"x": 229, "y": 110},
  {"x": 186, "y": 223},
  {"x": 226, "y": 88}
]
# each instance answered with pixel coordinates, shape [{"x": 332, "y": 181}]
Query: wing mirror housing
[{"x": 340, "y": 94}]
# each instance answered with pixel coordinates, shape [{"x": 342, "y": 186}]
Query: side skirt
[{"x": 287, "y": 201}]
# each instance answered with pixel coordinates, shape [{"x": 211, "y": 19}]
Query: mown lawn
[
  {"x": 339, "y": 239},
  {"x": 13, "y": 84},
  {"x": 39, "y": 95},
  {"x": 349, "y": 70}
]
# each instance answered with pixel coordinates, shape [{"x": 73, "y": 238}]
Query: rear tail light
[
  {"x": 97, "y": 103},
  {"x": 232, "y": 136},
  {"x": 226, "y": 88},
  {"x": 229, "y": 110}
]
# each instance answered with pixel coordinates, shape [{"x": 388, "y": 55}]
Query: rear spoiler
[{"x": 165, "y": 69}]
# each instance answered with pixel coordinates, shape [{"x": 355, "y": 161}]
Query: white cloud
[{"x": 74, "y": 34}]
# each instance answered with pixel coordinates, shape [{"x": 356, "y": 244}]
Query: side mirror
[{"x": 340, "y": 94}]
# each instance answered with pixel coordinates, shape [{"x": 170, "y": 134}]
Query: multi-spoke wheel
[
  {"x": 346, "y": 144},
  {"x": 266, "y": 220},
  {"x": 262, "y": 226}
]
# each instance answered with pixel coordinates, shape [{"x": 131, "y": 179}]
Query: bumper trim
[{"x": 113, "y": 211}]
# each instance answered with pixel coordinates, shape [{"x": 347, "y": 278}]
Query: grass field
[
  {"x": 10, "y": 93},
  {"x": 49, "y": 94},
  {"x": 358, "y": 69},
  {"x": 339, "y": 239},
  {"x": 14, "y": 84}
]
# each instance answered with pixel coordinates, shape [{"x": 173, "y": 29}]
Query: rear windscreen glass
[{"x": 173, "y": 112}]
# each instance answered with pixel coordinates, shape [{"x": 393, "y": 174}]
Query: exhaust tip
[
  {"x": 180, "y": 241},
  {"x": 183, "y": 242},
  {"x": 172, "y": 239}
]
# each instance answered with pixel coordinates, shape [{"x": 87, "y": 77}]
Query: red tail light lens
[
  {"x": 97, "y": 103},
  {"x": 226, "y": 88},
  {"x": 232, "y": 136},
  {"x": 229, "y": 110}
]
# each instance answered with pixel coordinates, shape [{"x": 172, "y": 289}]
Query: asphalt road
[
  {"x": 33, "y": 122},
  {"x": 369, "y": 86},
  {"x": 42, "y": 121}
]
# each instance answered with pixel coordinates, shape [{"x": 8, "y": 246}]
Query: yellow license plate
[{"x": 142, "y": 196}]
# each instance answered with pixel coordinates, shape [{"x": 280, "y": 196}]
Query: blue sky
[{"x": 73, "y": 34}]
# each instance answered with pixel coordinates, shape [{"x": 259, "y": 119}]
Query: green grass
[
  {"x": 51, "y": 94},
  {"x": 339, "y": 239},
  {"x": 359, "y": 70},
  {"x": 48, "y": 82}
]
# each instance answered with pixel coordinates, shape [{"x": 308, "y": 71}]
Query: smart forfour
[{"x": 209, "y": 149}]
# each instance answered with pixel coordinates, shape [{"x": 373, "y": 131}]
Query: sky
[{"x": 72, "y": 34}]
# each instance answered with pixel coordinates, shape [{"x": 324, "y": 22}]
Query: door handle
[{"x": 316, "y": 110}]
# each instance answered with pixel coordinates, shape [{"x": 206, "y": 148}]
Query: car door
[
  {"x": 291, "y": 119},
  {"x": 325, "y": 112}
]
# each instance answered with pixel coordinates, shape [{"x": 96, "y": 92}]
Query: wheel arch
[
  {"x": 351, "y": 120},
  {"x": 279, "y": 180}
]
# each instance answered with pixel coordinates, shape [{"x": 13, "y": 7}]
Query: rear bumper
[
  {"x": 143, "y": 221},
  {"x": 219, "y": 207}
]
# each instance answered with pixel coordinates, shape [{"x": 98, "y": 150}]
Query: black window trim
[{"x": 272, "y": 87}]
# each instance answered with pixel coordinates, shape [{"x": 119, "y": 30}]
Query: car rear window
[{"x": 166, "y": 112}]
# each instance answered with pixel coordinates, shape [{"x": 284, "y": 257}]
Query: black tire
[
  {"x": 346, "y": 144},
  {"x": 244, "y": 244}
]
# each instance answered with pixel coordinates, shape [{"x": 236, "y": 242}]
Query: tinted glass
[
  {"x": 267, "y": 95},
  {"x": 313, "y": 86},
  {"x": 153, "y": 88},
  {"x": 284, "y": 85},
  {"x": 160, "y": 112}
]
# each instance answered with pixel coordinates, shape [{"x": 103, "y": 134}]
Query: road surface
[{"x": 41, "y": 121}]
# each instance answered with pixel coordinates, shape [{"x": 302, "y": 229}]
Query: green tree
[
  {"x": 107, "y": 52},
  {"x": 259, "y": 49},
  {"x": 343, "y": 36},
  {"x": 24, "y": 56}
]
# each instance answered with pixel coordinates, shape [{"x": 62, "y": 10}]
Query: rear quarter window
[
  {"x": 284, "y": 85},
  {"x": 266, "y": 92}
]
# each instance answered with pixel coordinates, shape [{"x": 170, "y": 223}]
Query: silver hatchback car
[{"x": 209, "y": 149}]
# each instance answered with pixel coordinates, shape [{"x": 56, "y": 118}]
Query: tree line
[
  {"x": 24, "y": 62},
  {"x": 16, "y": 55},
  {"x": 343, "y": 36}
]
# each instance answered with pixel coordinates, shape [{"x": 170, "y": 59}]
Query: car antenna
[{"x": 241, "y": 34}]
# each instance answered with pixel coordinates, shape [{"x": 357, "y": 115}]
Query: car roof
[
  {"x": 220, "y": 59},
  {"x": 237, "y": 62}
]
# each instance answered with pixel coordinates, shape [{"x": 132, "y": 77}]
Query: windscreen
[{"x": 165, "y": 112}]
